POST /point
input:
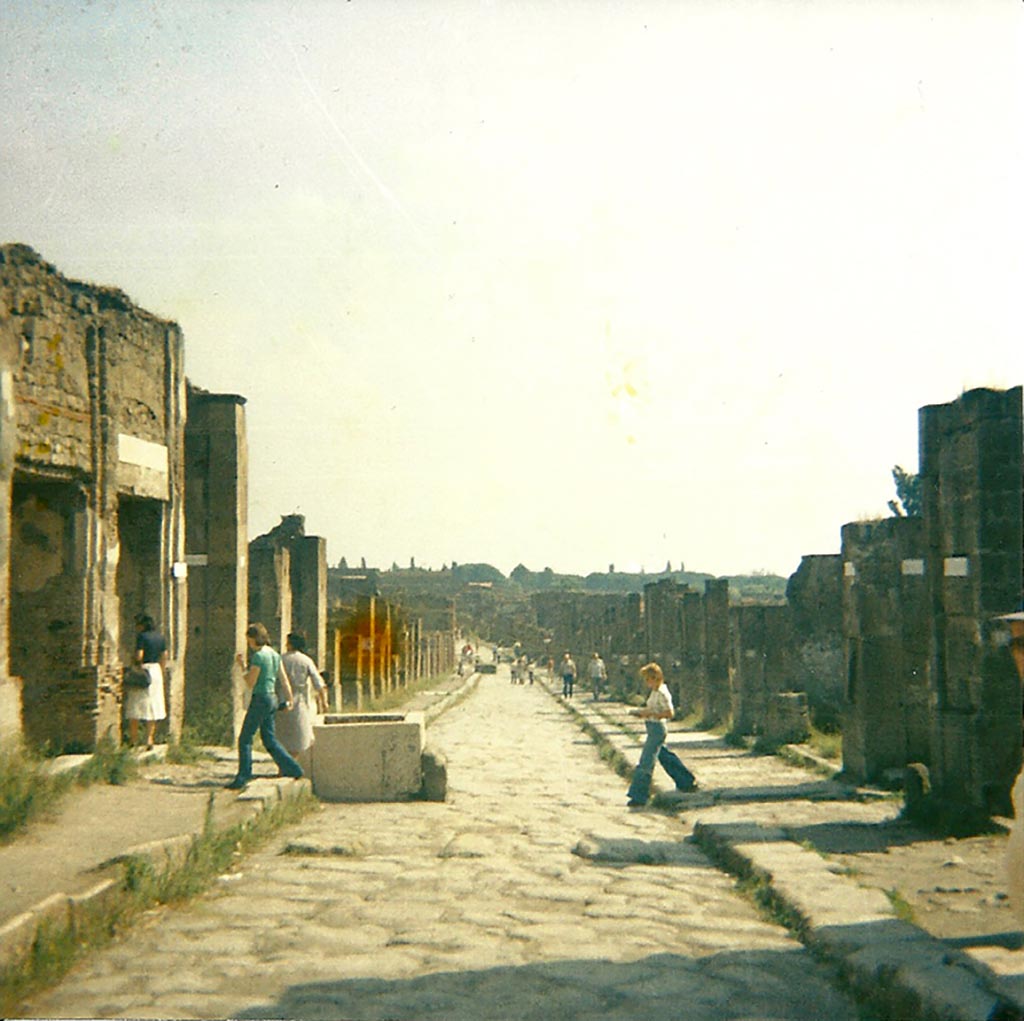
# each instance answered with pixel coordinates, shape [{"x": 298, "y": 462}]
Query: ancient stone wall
[
  {"x": 97, "y": 531},
  {"x": 886, "y": 627},
  {"x": 971, "y": 465}
]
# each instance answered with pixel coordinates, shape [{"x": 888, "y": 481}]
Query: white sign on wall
[
  {"x": 913, "y": 568},
  {"x": 132, "y": 450},
  {"x": 956, "y": 567}
]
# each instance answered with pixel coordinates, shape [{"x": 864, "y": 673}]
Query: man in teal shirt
[{"x": 262, "y": 676}]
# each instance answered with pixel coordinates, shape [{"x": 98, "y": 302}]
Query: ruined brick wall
[
  {"x": 216, "y": 537},
  {"x": 887, "y": 629},
  {"x": 971, "y": 464},
  {"x": 97, "y": 493}
]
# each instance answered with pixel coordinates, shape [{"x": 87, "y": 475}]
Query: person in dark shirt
[{"x": 147, "y": 703}]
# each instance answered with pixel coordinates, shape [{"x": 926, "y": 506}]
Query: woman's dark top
[{"x": 153, "y": 645}]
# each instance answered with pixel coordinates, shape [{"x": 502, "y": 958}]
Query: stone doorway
[{"x": 47, "y": 597}]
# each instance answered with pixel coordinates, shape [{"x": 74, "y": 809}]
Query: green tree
[{"x": 908, "y": 494}]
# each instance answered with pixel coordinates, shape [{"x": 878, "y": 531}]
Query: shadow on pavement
[
  {"x": 731, "y": 985},
  {"x": 861, "y": 837},
  {"x": 1007, "y": 940},
  {"x": 823, "y": 791}
]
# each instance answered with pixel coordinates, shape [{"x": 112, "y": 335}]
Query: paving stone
[{"x": 512, "y": 924}]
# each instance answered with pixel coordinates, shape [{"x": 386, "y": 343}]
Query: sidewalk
[
  {"x": 73, "y": 859},
  {"x": 823, "y": 854}
]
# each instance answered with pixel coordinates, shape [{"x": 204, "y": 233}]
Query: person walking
[
  {"x": 294, "y": 727},
  {"x": 655, "y": 712},
  {"x": 146, "y": 702},
  {"x": 264, "y": 673},
  {"x": 568, "y": 675},
  {"x": 598, "y": 675}
]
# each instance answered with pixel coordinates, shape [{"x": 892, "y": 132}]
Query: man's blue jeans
[
  {"x": 260, "y": 716},
  {"x": 654, "y": 748}
]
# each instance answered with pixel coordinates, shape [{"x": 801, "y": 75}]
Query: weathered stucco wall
[{"x": 99, "y": 401}]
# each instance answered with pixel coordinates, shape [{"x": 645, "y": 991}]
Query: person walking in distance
[
  {"x": 264, "y": 673},
  {"x": 657, "y": 710},
  {"x": 598, "y": 675},
  {"x": 568, "y": 675}
]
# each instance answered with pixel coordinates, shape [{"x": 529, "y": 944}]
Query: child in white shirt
[{"x": 655, "y": 712}]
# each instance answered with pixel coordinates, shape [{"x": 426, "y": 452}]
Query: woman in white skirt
[
  {"x": 147, "y": 703},
  {"x": 294, "y": 727}
]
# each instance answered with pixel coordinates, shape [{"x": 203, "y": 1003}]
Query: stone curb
[
  {"x": 893, "y": 964},
  {"x": 896, "y": 966},
  {"x": 63, "y": 910}
]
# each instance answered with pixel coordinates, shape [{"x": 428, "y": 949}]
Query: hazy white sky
[{"x": 566, "y": 283}]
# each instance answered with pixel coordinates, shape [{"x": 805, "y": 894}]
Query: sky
[{"x": 572, "y": 283}]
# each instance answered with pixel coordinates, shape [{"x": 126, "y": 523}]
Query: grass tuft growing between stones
[
  {"x": 56, "y": 947},
  {"x": 827, "y": 744},
  {"x": 901, "y": 907}
]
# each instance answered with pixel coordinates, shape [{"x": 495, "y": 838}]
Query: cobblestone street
[{"x": 475, "y": 908}]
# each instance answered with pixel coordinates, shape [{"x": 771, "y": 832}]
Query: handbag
[{"x": 137, "y": 676}]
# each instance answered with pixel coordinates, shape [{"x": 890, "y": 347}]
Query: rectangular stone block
[{"x": 368, "y": 757}]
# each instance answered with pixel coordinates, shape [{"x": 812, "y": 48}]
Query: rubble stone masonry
[
  {"x": 971, "y": 474},
  {"x": 96, "y": 504}
]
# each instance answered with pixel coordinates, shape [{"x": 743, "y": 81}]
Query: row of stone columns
[{"x": 377, "y": 650}]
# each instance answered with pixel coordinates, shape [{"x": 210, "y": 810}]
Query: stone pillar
[
  {"x": 814, "y": 594},
  {"x": 10, "y": 687},
  {"x": 717, "y": 697},
  {"x": 663, "y": 631},
  {"x": 971, "y": 468},
  {"x": 270, "y": 590},
  {"x": 216, "y": 548},
  {"x": 308, "y": 563},
  {"x": 761, "y": 646},
  {"x": 692, "y": 674},
  {"x": 886, "y": 630}
]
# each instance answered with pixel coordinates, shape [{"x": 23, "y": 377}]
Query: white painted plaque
[
  {"x": 132, "y": 450},
  {"x": 849, "y": 569},
  {"x": 913, "y": 568},
  {"x": 197, "y": 559},
  {"x": 956, "y": 567}
]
